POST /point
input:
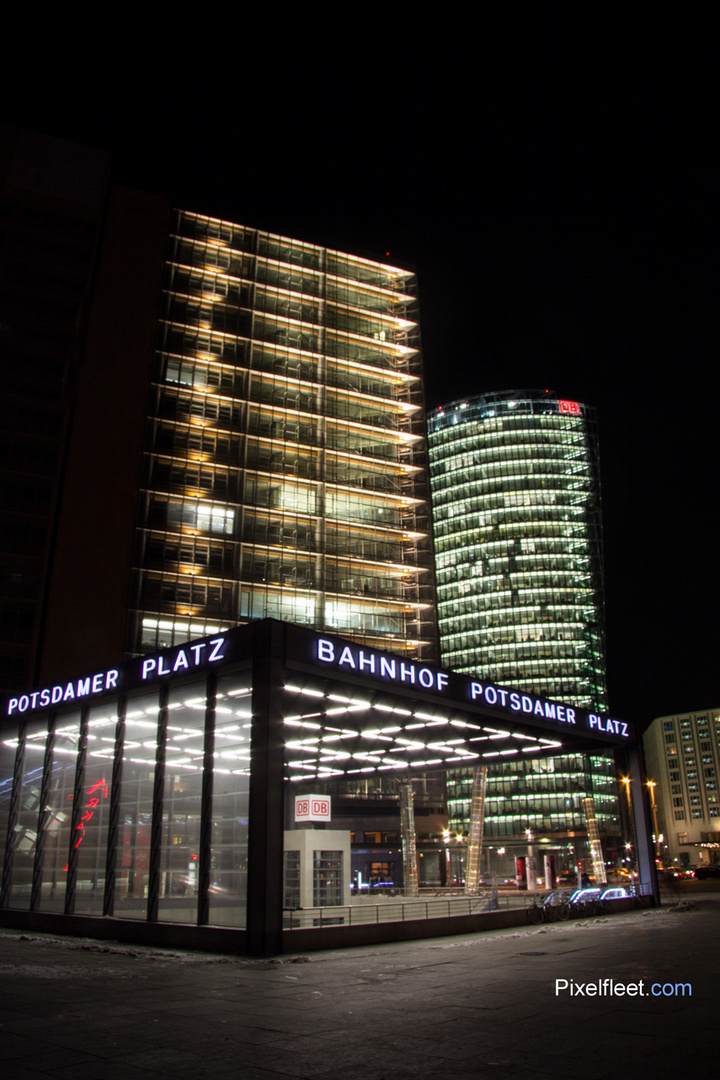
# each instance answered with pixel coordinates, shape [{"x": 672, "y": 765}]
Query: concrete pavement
[{"x": 482, "y": 1005}]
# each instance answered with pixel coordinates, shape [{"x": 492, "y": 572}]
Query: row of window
[
  {"x": 196, "y": 342},
  {"x": 203, "y": 376},
  {"x": 216, "y": 237}
]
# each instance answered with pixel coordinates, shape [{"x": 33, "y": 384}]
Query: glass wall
[
  {"x": 135, "y": 807},
  {"x": 64, "y": 828},
  {"x": 95, "y": 817},
  {"x": 22, "y": 842},
  {"x": 227, "y": 894},
  {"x": 8, "y": 752},
  {"x": 369, "y": 819},
  {"x": 182, "y": 804}
]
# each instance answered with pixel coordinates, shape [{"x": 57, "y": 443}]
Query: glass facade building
[
  {"x": 518, "y": 548},
  {"x": 516, "y": 501},
  {"x": 258, "y": 789},
  {"x": 285, "y": 460}
]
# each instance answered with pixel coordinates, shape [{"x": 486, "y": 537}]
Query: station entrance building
[{"x": 266, "y": 789}]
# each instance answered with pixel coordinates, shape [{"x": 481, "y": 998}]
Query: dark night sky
[{"x": 555, "y": 186}]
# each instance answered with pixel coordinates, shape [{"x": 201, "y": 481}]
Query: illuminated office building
[
  {"x": 518, "y": 547},
  {"x": 682, "y": 754},
  {"x": 518, "y": 542},
  {"x": 285, "y": 464}
]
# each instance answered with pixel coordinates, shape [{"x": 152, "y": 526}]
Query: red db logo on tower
[{"x": 313, "y": 808}]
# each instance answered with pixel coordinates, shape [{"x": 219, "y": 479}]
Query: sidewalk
[{"x": 461, "y": 1008}]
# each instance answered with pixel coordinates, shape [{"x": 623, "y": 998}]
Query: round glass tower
[{"x": 518, "y": 545}]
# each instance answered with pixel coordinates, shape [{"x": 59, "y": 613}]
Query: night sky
[{"x": 554, "y": 185}]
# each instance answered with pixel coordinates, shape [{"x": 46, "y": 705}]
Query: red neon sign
[
  {"x": 89, "y": 808},
  {"x": 572, "y": 408}
]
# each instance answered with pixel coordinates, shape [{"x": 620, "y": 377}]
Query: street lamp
[
  {"x": 631, "y": 845},
  {"x": 658, "y": 857}
]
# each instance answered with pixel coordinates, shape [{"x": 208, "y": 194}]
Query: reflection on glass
[
  {"x": 180, "y": 858},
  {"x": 57, "y": 816},
  {"x": 92, "y": 851},
  {"x": 135, "y": 807},
  {"x": 24, "y": 839},
  {"x": 8, "y": 750},
  {"x": 231, "y": 776}
]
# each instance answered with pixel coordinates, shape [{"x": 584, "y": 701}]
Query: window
[
  {"x": 291, "y": 871},
  {"x": 327, "y": 878},
  {"x": 203, "y": 516}
]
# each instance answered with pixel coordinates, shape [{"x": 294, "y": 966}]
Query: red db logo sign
[
  {"x": 570, "y": 407},
  {"x": 313, "y": 808}
]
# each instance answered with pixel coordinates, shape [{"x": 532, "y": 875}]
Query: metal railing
[{"x": 384, "y": 910}]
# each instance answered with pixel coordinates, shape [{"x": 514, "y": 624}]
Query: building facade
[
  {"x": 682, "y": 755},
  {"x": 518, "y": 547},
  {"x": 218, "y": 793},
  {"x": 285, "y": 460}
]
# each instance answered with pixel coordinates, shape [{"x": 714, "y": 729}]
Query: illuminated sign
[
  {"x": 346, "y": 658},
  {"x": 389, "y": 667},
  {"x": 57, "y": 695},
  {"x": 181, "y": 659},
  {"x": 517, "y": 702},
  {"x": 392, "y": 669},
  {"x": 572, "y": 408},
  {"x": 313, "y": 808},
  {"x": 170, "y": 662}
]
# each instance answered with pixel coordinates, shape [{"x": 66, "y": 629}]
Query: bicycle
[
  {"x": 535, "y": 912},
  {"x": 560, "y": 910}
]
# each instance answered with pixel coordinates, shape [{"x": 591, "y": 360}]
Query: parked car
[
  {"x": 580, "y": 896},
  {"x": 711, "y": 871},
  {"x": 617, "y": 892}
]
